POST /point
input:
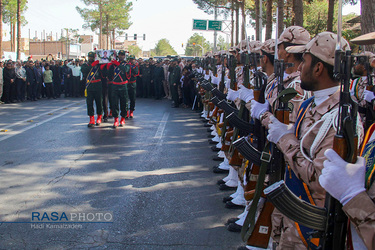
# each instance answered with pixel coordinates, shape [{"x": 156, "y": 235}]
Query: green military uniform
[
  {"x": 119, "y": 73},
  {"x": 93, "y": 87},
  {"x": 132, "y": 85}
]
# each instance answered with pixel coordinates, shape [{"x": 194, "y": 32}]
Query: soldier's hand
[
  {"x": 277, "y": 129},
  {"x": 341, "y": 179},
  {"x": 368, "y": 95},
  {"x": 246, "y": 94},
  {"x": 232, "y": 95},
  {"x": 257, "y": 109}
]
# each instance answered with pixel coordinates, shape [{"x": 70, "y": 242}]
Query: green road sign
[
  {"x": 199, "y": 24},
  {"x": 214, "y": 25}
]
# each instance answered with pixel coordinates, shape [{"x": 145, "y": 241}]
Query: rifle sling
[{"x": 246, "y": 231}]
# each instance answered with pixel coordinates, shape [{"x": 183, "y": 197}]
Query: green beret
[
  {"x": 91, "y": 54},
  {"x": 131, "y": 57}
]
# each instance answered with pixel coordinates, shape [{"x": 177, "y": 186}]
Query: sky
[{"x": 157, "y": 19}]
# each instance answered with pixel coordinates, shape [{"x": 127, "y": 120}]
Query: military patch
[{"x": 290, "y": 106}]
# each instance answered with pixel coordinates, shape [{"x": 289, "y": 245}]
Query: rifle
[
  {"x": 330, "y": 222},
  {"x": 222, "y": 82}
]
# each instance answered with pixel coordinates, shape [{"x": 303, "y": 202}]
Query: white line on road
[
  {"x": 34, "y": 117},
  {"x": 39, "y": 123},
  {"x": 161, "y": 128}
]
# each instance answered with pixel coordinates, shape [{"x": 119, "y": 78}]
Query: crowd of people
[
  {"x": 264, "y": 150},
  {"x": 33, "y": 80},
  {"x": 170, "y": 78}
]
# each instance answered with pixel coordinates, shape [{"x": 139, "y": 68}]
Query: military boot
[
  {"x": 92, "y": 122},
  {"x": 99, "y": 120},
  {"x": 122, "y": 121},
  {"x": 115, "y": 124}
]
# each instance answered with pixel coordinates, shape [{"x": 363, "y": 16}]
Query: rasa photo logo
[{"x": 68, "y": 220}]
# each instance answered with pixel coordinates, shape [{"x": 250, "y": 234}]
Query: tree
[
  {"x": 10, "y": 17},
  {"x": 18, "y": 29},
  {"x": 113, "y": 14},
  {"x": 195, "y": 44},
  {"x": 368, "y": 19},
  {"x": 222, "y": 44},
  {"x": 164, "y": 48},
  {"x": 1, "y": 28},
  {"x": 134, "y": 50}
]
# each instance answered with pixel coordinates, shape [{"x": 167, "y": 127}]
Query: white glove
[
  {"x": 246, "y": 94},
  {"x": 257, "y": 109},
  {"x": 341, "y": 179},
  {"x": 368, "y": 95},
  {"x": 277, "y": 129},
  {"x": 232, "y": 95}
]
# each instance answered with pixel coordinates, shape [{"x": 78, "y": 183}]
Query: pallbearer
[
  {"x": 92, "y": 72},
  {"x": 132, "y": 85},
  {"x": 118, "y": 72}
]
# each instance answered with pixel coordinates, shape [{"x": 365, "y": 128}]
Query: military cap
[
  {"x": 269, "y": 46},
  {"x": 370, "y": 56},
  {"x": 323, "y": 46},
  {"x": 255, "y": 46},
  {"x": 295, "y": 35},
  {"x": 131, "y": 57},
  {"x": 175, "y": 59},
  {"x": 121, "y": 52},
  {"x": 91, "y": 54}
]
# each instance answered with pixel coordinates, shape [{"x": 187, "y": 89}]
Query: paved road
[{"x": 154, "y": 176}]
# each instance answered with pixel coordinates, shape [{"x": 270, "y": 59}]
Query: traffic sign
[
  {"x": 214, "y": 25},
  {"x": 199, "y": 24}
]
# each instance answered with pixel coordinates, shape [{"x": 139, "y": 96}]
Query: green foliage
[
  {"x": 134, "y": 50},
  {"x": 315, "y": 16},
  {"x": 208, "y": 6},
  {"x": 196, "y": 50},
  {"x": 222, "y": 44},
  {"x": 164, "y": 48},
  {"x": 10, "y": 11},
  {"x": 115, "y": 14}
]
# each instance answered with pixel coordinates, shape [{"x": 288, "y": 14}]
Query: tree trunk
[
  {"x": 298, "y": 12},
  {"x": 232, "y": 24},
  {"x": 243, "y": 29},
  {"x": 18, "y": 29},
  {"x": 113, "y": 39},
  {"x": 237, "y": 22},
  {"x": 257, "y": 23},
  {"x": 107, "y": 28},
  {"x": 331, "y": 8},
  {"x": 368, "y": 19},
  {"x": 1, "y": 28},
  {"x": 269, "y": 20},
  {"x": 280, "y": 21},
  {"x": 100, "y": 24}
]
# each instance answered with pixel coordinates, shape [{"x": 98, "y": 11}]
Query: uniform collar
[{"x": 328, "y": 104}]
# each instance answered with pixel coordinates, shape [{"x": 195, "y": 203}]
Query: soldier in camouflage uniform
[{"x": 302, "y": 144}]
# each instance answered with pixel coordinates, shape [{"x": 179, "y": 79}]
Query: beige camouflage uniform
[{"x": 309, "y": 170}]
